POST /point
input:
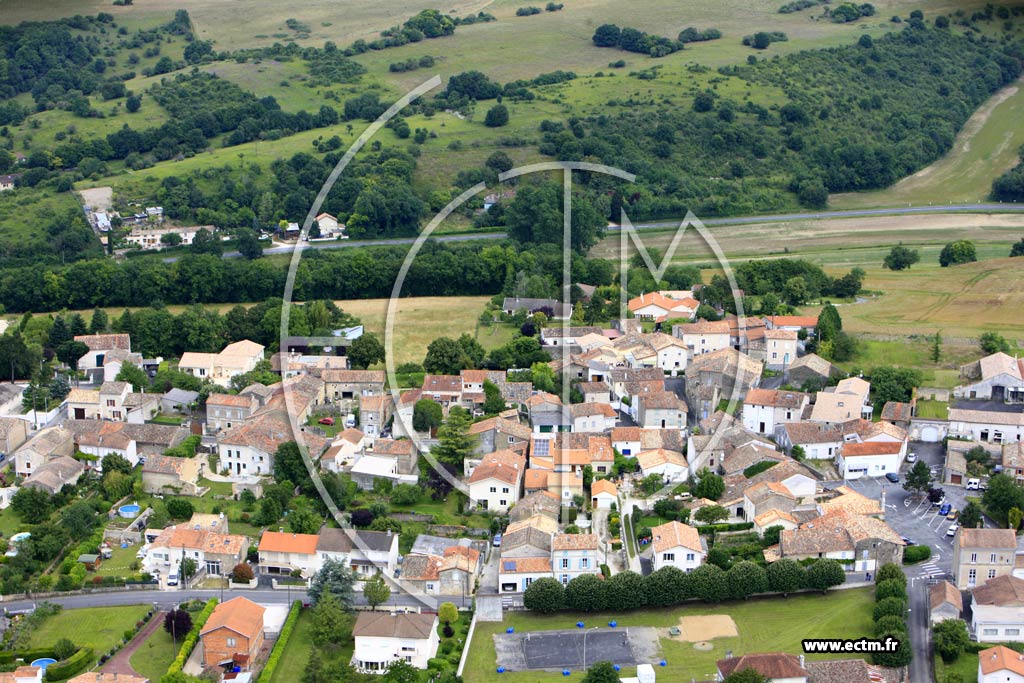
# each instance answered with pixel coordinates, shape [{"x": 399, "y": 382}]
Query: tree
[
  {"x": 901, "y": 656},
  {"x": 376, "y": 590},
  {"x": 894, "y": 384},
  {"x": 499, "y": 162},
  {"x": 448, "y": 612},
  {"x": 134, "y": 375},
  {"x": 401, "y": 671},
  {"x": 761, "y": 41},
  {"x": 171, "y": 239},
  {"x": 445, "y": 356},
  {"x": 992, "y": 342},
  {"x": 114, "y": 462},
  {"x": 331, "y": 624},
  {"x": 936, "y": 353},
  {"x": 426, "y": 415},
  {"x": 585, "y": 593},
  {"x": 666, "y": 587},
  {"x": 494, "y": 403},
  {"x": 290, "y": 466},
  {"x": 785, "y": 576},
  {"x": 133, "y": 103},
  {"x": 365, "y": 351},
  {"x": 78, "y": 518},
  {"x": 601, "y": 672},
  {"x": 205, "y": 242},
  {"x": 708, "y": 583},
  {"x": 919, "y": 478},
  {"x": 890, "y": 572},
  {"x": 955, "y": 253},
  {"x": 1014, "y": 518},
  {"x": 951, "y": 639},
  {"x": 334, "y": 578},
  {"x": 455, "y": 443},
  {"x": 1002, "y": 495},
  {"x": 970, "y": 516},
  {"x": 99, "y": 323},
  {"x": 901, "y": 258},
  {"x": 829, "y": 323},
  {"x": 248, "y": 244},
  {"x": 890, "y": 606},
  {"x": 545, "y": 595},
  {"x": 825, "y": 574},
  {"x": 711, "y": 514},
  {"x": 63, "y": 649},
  {"x": 242, "y": 573},
  {"x": 890, "y": 588},
  {"x": 178, "y": 623},
  {"x": 71, "y": 352},
  {"x": 624, "y": 591},
  {"x": 302, "y": 519},
  {"x": 745, "y": 579},
  {"x": 747, "y": 675},
  {"x": 709, "y": 485},
  {"x": 607, "y": 35},
  {"x": 1018, "y": 248},
  {"x": 179, "y": 508},
  {"x": 117, "y": 485},
  {"x": 497, "y": 116}
]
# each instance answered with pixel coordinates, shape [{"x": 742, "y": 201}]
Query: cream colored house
[{"x": 235, "y": 359}]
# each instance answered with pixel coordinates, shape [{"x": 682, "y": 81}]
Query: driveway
[{"x": 120, "y": 662}]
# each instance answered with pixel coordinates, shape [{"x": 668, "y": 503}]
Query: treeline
[
  {"x": 728, "y": 157},
  {"x": 795, "y": 280},
  {"x": 1009, "y": 187},
  {"x": 440, "y": 269}
]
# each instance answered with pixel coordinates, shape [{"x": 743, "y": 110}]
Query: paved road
[{"x": 657, "y": 225}]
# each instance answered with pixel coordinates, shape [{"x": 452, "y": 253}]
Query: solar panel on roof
[{"x": 508, "y": 566}]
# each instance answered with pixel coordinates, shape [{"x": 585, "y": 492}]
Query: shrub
[
  {"x": 890, "y": 606},
  {"x": 242, "y": 573},
  {"x": 891, "y": 572},
  {"x": 916, "y": 553},
  {"x": 70, "y": 666},
  {"x": 890, "y": 623},
  {"x": 890, "y": 588},
  {"x": 282, "y": 641},
  {"x": 192, "y": 638}
]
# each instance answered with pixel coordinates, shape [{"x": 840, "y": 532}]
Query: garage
[
  {"x": 930, "y": 434},
  {"x": 956, "y": 479}
]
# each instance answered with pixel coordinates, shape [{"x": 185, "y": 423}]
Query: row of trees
[
  {"x": 890, "y": 616},
  {"x": 669, "y": 586}
]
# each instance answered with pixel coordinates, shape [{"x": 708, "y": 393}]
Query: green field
[
  {"x": 97, "y": 627},
  {"x": 155, "y": 655},
  {"x": 768, "y": 625},
  {"x": 299, "y": 649},
  {"x": 966, "y": 667}
]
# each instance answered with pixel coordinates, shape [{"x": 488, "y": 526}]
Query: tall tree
[
  {"x": 376, "y": 590},
  {"x": 334, "y": 578},
  {"x": 919, "y": 478},
  {"x": 365, "y": 351},
  {"x": 99, "y": 323},
  {"x": 454, "y": 441}
]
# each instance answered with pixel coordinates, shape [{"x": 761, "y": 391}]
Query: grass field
[
  {"x": 155, "y": 655},
  {"x": 769, "y": 625},
  {"x": 966, "y": 667},
  {"x": 299, "y": 649},
  {"x": 986, "y": 147},
  {"x": 97, "y": 627}
]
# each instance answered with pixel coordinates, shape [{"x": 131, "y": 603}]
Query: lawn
[
  {"x": 97, "y": 627},
  {"x": 155, "y": 655},
  {"x": 966, "y": 666},
  {"x": 300, "y": 647},
  {"x": 932, "y": 409},
  {"x": 767, "y": 625},
  {"x": 120, "y": 562},
  {"x": 10, "y": 524}
]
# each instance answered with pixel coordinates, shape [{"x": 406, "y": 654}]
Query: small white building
[
  {"x": 997, "y": 610},
  {"x": 1000, "y": 664},
  {"x": 382, "y": 638},
  {"x": 603, "y": 494},
  {"x": 496, "y": 483},
  {"x": 764, "y": 410},
  {"x": 573, "y": 555},
  {"x": 817, "y": 441},
  {"x": 677, "y": 545},
  {"x": 283, "y": 552},
  {"x": 669, "y": 464},
  {"x": 870, "y": 458}
]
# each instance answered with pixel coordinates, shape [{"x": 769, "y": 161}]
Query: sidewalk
[{"x": 120, "y": 663}]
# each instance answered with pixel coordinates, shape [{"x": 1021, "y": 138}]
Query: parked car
[
  {"x": 497, "y": 541},
  {"x": 953, "y": 514},
  {"x": 911, "y": 457},
  {"x": 973, "y": 484},
  {"x": 907, "y": 541},
  {"x": 329, "y": 421},
  {"x": 944, "y": 510},
  {"x": 952, "y": 529},
  {"x": 893, "y": 477}
]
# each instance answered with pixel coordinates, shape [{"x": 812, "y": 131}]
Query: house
[
  {"x": 603, "y": 494},
  {"x": 765, "y": 496},
  {"x": 703, "y": 336},
  {"x": 99, "y": 438},
  {"x": 556, "y": 309},
  {"x": 671, "y": 465},
  {"x": 997, "y": 610},
  {"x": 453, "y": 572},
  {"x": 772, "y": 518},
  {"x": 235, "y": 359},
  {"x": 592, "y": 417},
  {"x": 677, "y": 545},
  {"x": 817, "y": 441},
  {"x": 777, "y": 348},
  {"x": 980, "y": 555},
  {"x": 100, "y": 346},
  {"x": 516, "y": 574},
  {"x": 366, "y": 552},
  {"x": 1000, "y": 664},
  {"x": 13, "y": 433},
  {"x": 764, "y": 410},
  {"x": 944, "y": 601},
  {"x": 374, "y": 414},
  {"x": 1013, "y": 461},
  {"x": 573, "y": 555},
  {"x": 345, "y": 385},
  {"x": 496, "y": 483},
  {"x": 996, "y": 377},
  {"x": 55, "y": 474},
  {"x": 443, "y": 389},
  {"x": 179, "y": 401},
  {"x": 793, "y": 323},
  {"x": 284, "y": 552},
  {"x": 498, "y": 433},
  {"x": 776, "y": 667},
  {"x": 248, "y": 448},
  {"x": 847, "y": 401},
  {"x": 538, "y": 503},
  {"x": 870, "y": 458},
  {"x": 867, "y": 541},
  {"x": 392, "y": 459},
  {"x": 233, "y": 634},
  {"x": 152, "y": 238},
  {"x": 166, "y": 474},
  {"x": 740, "y": 458},
  {"x": 329, "y": 226},
  {"x": 657, "y": 306},
  {"x": 213, "y": 552},
  {"x": 8, "y": 181},
  {"x": 558, "y": 336},
  {"x": 718, "y": 375},
  {"x": 811, "y": 369},
  {"x": 30, "y": 674},
  {"x": 44, "y": 445},
  {"x": 224, "y": 411},
  {"x": 661, "y": 410},
  {"x": 898, "y": 413},
  {"x": 986, "y": 426},
  {"x": 343, "y": 451},
  {"x": 382, "y": 638}
]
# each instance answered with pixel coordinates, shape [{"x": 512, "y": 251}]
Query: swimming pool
[{"x": 129, "y": 511}]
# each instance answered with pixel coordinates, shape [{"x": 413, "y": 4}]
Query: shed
[{"x": 91, "y": 562}]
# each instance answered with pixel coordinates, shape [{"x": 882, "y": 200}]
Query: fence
[
  {"x": 18, "y": 597},
  {"x": 465, "y": 648}
]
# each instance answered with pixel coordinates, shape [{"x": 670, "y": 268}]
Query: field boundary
[{"x": 465, "y": 648}]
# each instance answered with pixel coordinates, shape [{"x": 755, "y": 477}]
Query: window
[
  {"x": 668, "y": 557},
  {"x": 972, "y": 577},
  {"x": 565, "y": 563},
  {"x": 564, "y": 578},
  {"x": 1012, "y": 632},
  {"x": 974, "y": 557},
  {"x": 511, "y": 439},
  {"x": 231, "y": 642},
  {"x": 992, "y": 558},
  {"x": 990, "y": 632},
  {"x": 690, "y": 557},
  {"x": 430, "y": 588},
  {"x": 991, "y": 573},
  {"x": 503, "y": 503},
  {"x": 585, "y": 563},
  {"x": 494, "y": 489},
  {"x": 527, "y": 581},
  {"x": 504, "y": 489}
]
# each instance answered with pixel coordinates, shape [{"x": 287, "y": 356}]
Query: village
[{"x": 705, "y": 448}]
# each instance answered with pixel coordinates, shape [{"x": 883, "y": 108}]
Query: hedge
[
  {"x": 712, "y": 528},
  {"x": 27, "y": 655},
  {"x": 282, "y": 642},
  {"x": 192, "y": 639},
  {"x": 916, "y": 553},
  {"x": 70, "y": 666}
]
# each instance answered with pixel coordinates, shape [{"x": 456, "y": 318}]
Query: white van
[
  {"x": 973, "y": 484},
  {"x": 350, "y": 421},
  {"x": 172, "y": 578}
]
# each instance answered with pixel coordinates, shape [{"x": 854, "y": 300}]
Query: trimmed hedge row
[
  {"x": 282, "y": 642},
  {"x": 712, "y": 528},
  {"x": 70, "y": 666},
  {"x": 916, "y": 553},
  {"x": 27, "y": 655},
  {"x": 192, "y": 639}
]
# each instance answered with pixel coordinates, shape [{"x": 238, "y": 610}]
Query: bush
[
  {"x": 890, "y": 588},
  {"x": 242, "y": 573},
  {"x": 71, "y": 666},
  {"x": 916, "y": 553},
  {"x": 890, "y": 623},
  {"x": 891, "y": 572},
  {"x": 282, "y": 641},
  {"x": 439, "y": 664},
  {"x": 544, "y": 595},
  {"x": 890, "y": 606}
]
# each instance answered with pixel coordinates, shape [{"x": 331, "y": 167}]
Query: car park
[
  {"x": 944, "y": 510},
  {"x": 951, "y": 531},
  {"x": 953, "y": 514}
]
